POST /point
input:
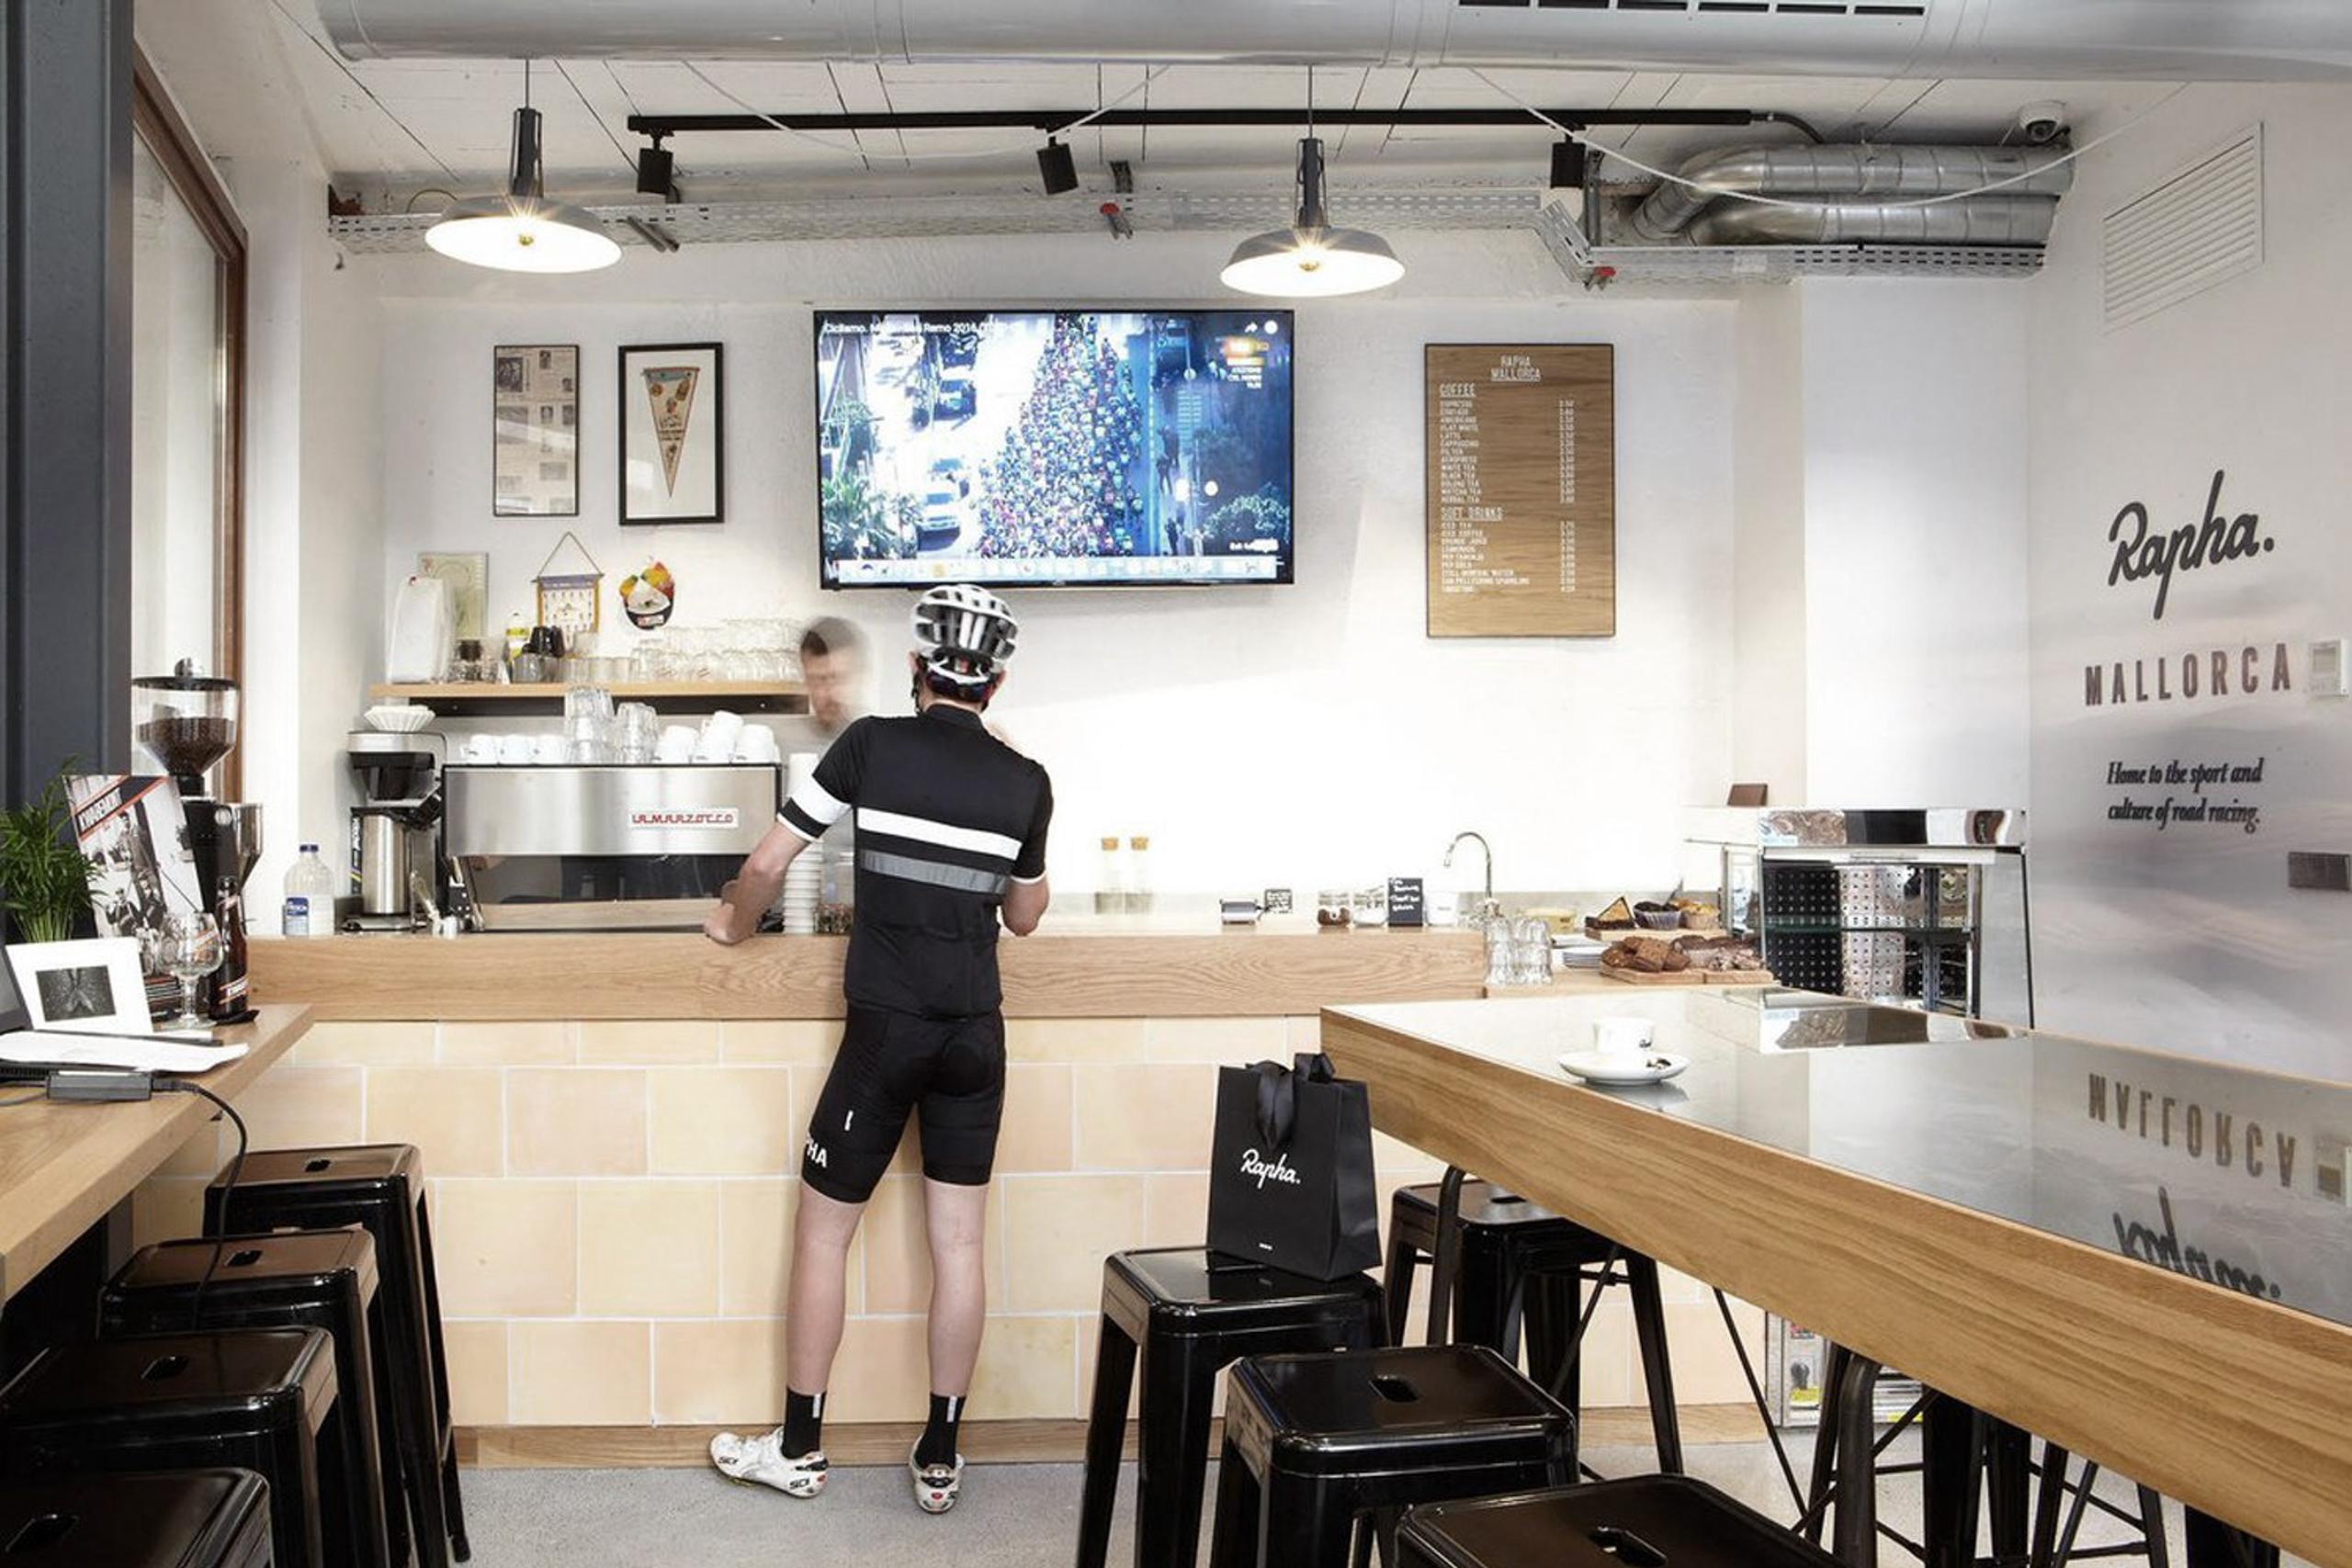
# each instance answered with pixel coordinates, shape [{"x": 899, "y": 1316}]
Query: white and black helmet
[{"x": 964, "y": 633}]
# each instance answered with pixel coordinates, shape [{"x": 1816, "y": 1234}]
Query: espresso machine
[
  {"x": 395, "y": 828},
  {"x": 185, "y": 723}
]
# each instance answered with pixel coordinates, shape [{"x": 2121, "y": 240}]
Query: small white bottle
[
  {"x": 1139, "y": 876},
  {"x": 1111, "y": 880},
  {"x": 309, "y": 896}
]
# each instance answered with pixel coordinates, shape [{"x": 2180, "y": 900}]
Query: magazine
[{"x": 132, "y": 828}]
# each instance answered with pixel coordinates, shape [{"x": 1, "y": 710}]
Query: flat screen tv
[{"x": 1089, "y": 449}]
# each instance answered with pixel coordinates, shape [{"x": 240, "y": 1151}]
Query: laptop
[{"x": 29, "y": 1053}]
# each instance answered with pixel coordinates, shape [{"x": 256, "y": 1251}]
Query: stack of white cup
[{"x": 805, "y": 882}]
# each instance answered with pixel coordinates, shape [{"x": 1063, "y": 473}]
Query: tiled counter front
[{"x": 612, "y": 1199}]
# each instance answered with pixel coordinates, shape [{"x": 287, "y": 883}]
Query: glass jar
[
  {"x": 1139, "y": 876},
  {"x": 1370, "y": 908},
  {"x": 1110, "y": 880},
  {"x": 1335, "y": 909}
]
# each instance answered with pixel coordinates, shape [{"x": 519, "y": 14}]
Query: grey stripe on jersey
[{"x": 962, "y": 878}]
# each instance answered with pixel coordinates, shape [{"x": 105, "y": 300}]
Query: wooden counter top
[
  {"x": 1075, "y": 972},
  {"x": 62, "y": 1166}
]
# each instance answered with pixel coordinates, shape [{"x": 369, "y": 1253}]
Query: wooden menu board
[{"x": 1521, "y": 461}]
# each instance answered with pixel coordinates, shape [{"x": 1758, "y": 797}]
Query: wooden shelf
[{"x": 474, "y": 699}]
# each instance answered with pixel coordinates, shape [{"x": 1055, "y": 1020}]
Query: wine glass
[{"x": 191, "y": 949}]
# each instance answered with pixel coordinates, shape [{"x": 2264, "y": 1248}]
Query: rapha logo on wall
[
  {"x": 2165, "y": 1248},
  {"x": 2143, "y": 553},
  {"x": 1280, "y": 1171}
]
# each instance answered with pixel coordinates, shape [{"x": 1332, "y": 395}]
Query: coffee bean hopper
[{"x": 185, "y": 723}]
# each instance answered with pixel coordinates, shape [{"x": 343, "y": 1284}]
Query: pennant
[{"x": 669, "y": 389}]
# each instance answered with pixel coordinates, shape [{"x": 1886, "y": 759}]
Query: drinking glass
[
  {"x": 1500, "y": 969},
  {"x": 190, "y": 948},
  {"x": 1532, "y": 951}
]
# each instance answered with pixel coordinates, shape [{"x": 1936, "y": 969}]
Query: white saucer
[{"x": 1594, "y": 1067}]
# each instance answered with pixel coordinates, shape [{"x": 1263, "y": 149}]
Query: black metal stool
[
  {"x": 197, "y": 1519},
  {"x": 252, "y": 1398},
  {"x": 1645, "y": 1520},
  {"x": 380, "y": 1186},
  {"x": 1192, "y": 1313},
  {"x": 1312, "y": 1442},
  {"x": 1515, "y": 1263},
  {"x": 302, "y": 1280}
]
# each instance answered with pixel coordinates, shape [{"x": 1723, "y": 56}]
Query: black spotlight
[
  {"x": 1057, "y": 168},
  {"x": 656, "y": 171},
  {"x": 1568, "y": 166}
]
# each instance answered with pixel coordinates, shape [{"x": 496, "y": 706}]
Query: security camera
[{"x": 2041, "y": 123}]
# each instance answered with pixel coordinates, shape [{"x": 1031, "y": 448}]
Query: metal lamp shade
[
  {"x": 522, "y": 230},
  {"x": 1302, "y": 263}
]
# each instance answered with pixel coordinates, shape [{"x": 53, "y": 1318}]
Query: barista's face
[{"x": 832, "y": 686}]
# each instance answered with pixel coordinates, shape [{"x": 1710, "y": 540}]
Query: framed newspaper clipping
[{"x": 535, "y": 430}]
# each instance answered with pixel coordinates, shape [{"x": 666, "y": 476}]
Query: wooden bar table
[
  {"x": 65, "y": 1167},
  {"x": 2145, "y": 1258}
]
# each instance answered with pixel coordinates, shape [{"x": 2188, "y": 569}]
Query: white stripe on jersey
[
  {"x": 978, "y": 840},
  {"x": 817, "y": 803}
]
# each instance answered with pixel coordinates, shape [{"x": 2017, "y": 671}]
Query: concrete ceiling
[{"x": 388, "y": 128}]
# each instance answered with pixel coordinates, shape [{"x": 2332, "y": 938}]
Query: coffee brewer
[
  {"x": 186, "y": 722},
  {"x": 395, "y": 828}
]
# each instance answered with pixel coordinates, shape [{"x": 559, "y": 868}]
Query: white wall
[
  {"x": 1768, "y": 544},
  {"x": 2189, "y": 938},
  {"x": 1261, "y": 736}
]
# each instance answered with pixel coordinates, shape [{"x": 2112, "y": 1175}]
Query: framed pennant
[{"x": 673, "y": 436}]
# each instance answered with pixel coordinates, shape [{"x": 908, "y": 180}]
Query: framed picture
[
  {"x": 468, "y": 575},
  {"x": 535, "y": 433},
  {"x": 673, "y": 446},
  {"x": 92, "y": 988}
]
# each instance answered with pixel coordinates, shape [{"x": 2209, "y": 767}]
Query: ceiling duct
[
  {"x": 1821, "y": 174},
  {"x": 2236, "y": 40},
  {"x": 1980, "y": 220}
]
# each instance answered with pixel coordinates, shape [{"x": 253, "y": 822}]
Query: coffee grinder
[
  {"x": 186, "y": 722},
  {"x": 395, "y": 837}
]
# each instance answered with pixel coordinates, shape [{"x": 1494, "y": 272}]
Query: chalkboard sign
[
  {"x": 1521, "y": 480},
  {"x": 1404, "y": 903}
]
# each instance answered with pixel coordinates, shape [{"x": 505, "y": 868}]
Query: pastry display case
[{"x": 1918, "y": 908}]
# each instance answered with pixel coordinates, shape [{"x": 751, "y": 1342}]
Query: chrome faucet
[{"x": 1487, "y": 907}]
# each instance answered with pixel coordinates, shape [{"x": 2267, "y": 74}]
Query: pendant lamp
[
  {"x": 1311, "y": 259},
  {"x": 522, "y": 230}
]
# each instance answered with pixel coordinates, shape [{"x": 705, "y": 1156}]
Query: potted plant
[{"x": 44, "y": 877}]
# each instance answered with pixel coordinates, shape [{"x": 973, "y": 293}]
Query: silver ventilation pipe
[
  {"x": 1998, "y": 219},
  {"x": 2241, "y": 41},
  {"x": 1825, "y": 173}
]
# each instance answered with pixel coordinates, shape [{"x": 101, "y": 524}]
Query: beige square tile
[
  {"x": 756, "y": 1247},
  {"x": 720, "y": 1370},
  {"x": 368, "y": 1044},
  {"x": 883, "y": 1372},
  {"x": 575, "y": 1121},
  {"x": 291, "y": 1106},
  {"x": 166, "y": 1208},
  {"x": 1674, "y": 1285},
  {"x": 1175, "y": 1210},
  {"x": 454, "y": 1116},
  {"x": 1137, "y": 1117},
  {"x": 799, "y": 1043},
  {"x": 724, "y": 1122},
  {"x": 1074, "y": 1039},
  {"x": 476, "y": 1352},
  {"x": 633, "y": 1042},
  {"x": 541, "y": 1044},
  {"x": 201, "y": 1154},
  {"x": 1037, "y": 1133},
  {"x": 1303, "y": 1032},
  {"x": 1028, "y": 1370},
  {"x": 1239, "y": 1040},
  {"x": 1707, "y": 1368},
  {"x": 898, "y": 1246},
  {"x": 582, "y": 1374},
  {"x": 1398, "y": 1160},
  {"x": 1608, "y": 1364},
  {"x": 506, "y": 1249},
  {"x": 649, "y": 1249},
  {"x": 1057, "y": 1230}
]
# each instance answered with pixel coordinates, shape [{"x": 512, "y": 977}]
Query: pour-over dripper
[{"x": 185, "y": 722}]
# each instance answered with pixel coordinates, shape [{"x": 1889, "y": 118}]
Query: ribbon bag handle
[{"x": 1277, "y": 1105}]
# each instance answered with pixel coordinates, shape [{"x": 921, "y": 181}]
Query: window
[{"x": 187, "y": 310}]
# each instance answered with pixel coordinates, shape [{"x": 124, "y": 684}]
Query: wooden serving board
[{"x": 1692, "y": 977}]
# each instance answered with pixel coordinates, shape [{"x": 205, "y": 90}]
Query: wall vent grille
[{"x": 2196, "y": 228}]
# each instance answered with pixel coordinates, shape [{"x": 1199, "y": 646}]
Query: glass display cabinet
[{"x": 1924, "y": 909}]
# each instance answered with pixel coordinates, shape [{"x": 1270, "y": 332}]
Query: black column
[{"x": 64, "y": 388}]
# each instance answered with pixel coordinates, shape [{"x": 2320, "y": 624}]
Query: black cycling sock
[
  {"x": 938, "y": 1445},
  {"x": 804, "y": 1422}
]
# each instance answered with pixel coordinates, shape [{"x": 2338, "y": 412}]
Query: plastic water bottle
[{"x": 309, "y": 896}]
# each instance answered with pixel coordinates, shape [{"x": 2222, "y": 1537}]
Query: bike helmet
[{"x": 964, "y": 635}]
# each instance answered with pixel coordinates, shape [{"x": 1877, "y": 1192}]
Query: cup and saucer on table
[{"x": 1622, "y": 1054}]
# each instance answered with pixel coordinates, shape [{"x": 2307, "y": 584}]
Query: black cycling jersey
[{"x": 947, "y": 817}]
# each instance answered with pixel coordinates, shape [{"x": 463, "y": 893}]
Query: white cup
[
  {"x": 547, "y": 750},
  {"x": 1621, "y": 1036},
  {"x": 514, "y": 749}
]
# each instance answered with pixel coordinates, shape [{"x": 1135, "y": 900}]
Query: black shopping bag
[{"x": 1289, "y": 1172}]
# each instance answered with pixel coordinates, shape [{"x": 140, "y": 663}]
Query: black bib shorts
[{"x": 948, "y": 1071}]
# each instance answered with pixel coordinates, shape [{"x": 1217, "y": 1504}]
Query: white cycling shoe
[
  {"x": 762, "y": 1461},
  {"x": 936, "y": 1486}
]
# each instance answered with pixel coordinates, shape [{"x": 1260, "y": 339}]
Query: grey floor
[{"x": 1012, "y": 1516}]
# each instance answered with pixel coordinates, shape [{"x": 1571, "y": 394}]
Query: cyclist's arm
[
  {"x": 755, "y": 888},
  {"x": 1025, "y": 904}
]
